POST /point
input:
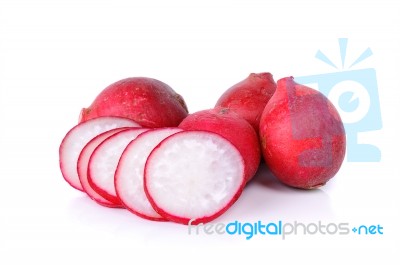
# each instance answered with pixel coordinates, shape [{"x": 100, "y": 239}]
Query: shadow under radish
[{"x": 265, "y": 198}]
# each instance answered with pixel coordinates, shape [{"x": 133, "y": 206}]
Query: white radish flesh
[
  {"x": 194, "y": 176},
  {"x": 78, "y": 137},
  {"x": 104, "y": 161},
  {"x": 83, "y": 162},
  {"x": 129, "y": 174}
]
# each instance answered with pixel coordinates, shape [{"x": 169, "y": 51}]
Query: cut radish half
[
  {"x": 104, "y": 161},
  {"x": 129, "y": 174},
  {"x": 83, "y": 162},
  {"x": 78, "y": 137},
  {"x": 194, "y": 177}
]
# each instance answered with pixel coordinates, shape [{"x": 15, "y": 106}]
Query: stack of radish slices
[{"x": 158, "y": 174}]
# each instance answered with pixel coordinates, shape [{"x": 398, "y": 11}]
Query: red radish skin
[
  {"x": 232, "y": 127},
  {"x": 249, "y": 97},
  {"x": 83, "y": 162},
  {"x": 129, "y": 174},
  {"x": 104, "y": 160},
  {"x": 302, "y": 135},
  {"x": 194, "y": 176},
  {"x": 76, "y": 139},
  {"x": 149, "y": 102}
]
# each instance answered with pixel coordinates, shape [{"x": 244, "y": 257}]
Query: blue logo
[{"x": 355, "y": 95}]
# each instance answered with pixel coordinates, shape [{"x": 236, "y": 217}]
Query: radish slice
[
  {"x": 129, "y": 174},
  {"x": 194, "y": 177},
  {"x": 83, "y": 162},
  {"x": 104, "y": 161},
  {"x": 78, "y": 137}
]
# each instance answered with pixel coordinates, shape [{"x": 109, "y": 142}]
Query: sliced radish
[
  {"x": 78, "y": 137},
  {"x": 194, "y": 176},
  {"x": 83, "y": 162},
  {"x": 129, "y": 174},
  {"x": 104, "y": 161}
]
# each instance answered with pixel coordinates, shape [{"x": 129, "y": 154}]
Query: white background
[{"x": 55, "y": 56}]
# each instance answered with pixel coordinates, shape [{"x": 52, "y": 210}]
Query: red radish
[
  {"x": 302, "y": 135},
  {"x": 194, "y": 176},
  {"x": 249, "y": 97},
  {"x": 129, "y": 174},
  {"x": 83, "y": 162},
  {"x": 78, "y": 137},
  {"x": 104, "y": 160},
  {"x": 232, "y": 127},
  {"x": 147, "y": 101}
]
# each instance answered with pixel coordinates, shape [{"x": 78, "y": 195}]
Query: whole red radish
[
  {"x": 229, "y": 125},
  {"x": 147, "y": 101},
  {"x": 302, "y": 136},
  {"x": 249, "y": 97}
]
